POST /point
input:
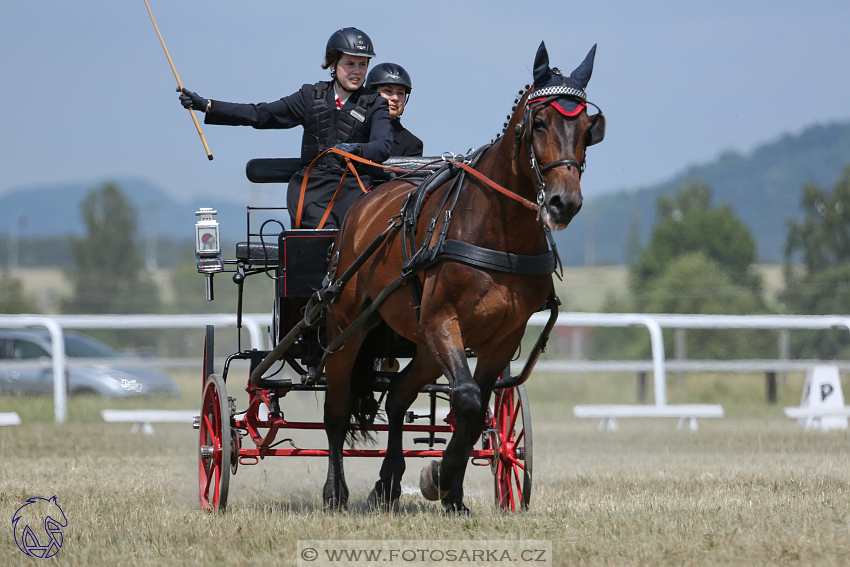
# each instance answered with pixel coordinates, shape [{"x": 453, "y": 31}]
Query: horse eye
[{"x": 538, "y": 124}]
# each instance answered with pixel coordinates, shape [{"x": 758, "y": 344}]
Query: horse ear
[
  {"x": 542, "y": 73},
  {"x": 581, "y": 76},
  {"x": 596, "y": 132}
]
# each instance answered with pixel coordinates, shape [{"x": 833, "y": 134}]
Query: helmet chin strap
[{"x": 336, "y": 81}]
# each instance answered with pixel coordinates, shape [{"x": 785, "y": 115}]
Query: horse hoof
[
  {"x": 375, "y": 503},
  {"x": 457, "y": 508},
  {"x": 429, "y": 483}
]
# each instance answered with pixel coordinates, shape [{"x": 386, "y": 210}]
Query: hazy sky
[{"x": 87, "y": 93}]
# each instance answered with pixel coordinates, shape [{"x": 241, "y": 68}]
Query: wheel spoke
[
  {"x": 208, "y": 425},
  {"x": 517, "y": 410},
  {"x": 517, "y": 463},
  {"x": 519, "y": 437},
  {"x": 205, "y": 491}
]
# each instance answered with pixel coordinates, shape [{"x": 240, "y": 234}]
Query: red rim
[
  {"x": 214, "y": 469},
  {"x": 513, "y": 429}
]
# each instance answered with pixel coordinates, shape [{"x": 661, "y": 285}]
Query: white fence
[{"x": 652, "y": 322}]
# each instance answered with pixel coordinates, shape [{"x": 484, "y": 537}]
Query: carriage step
[
  {"x": 282, "y": 384},
  {"x": 427, "y": 441}
]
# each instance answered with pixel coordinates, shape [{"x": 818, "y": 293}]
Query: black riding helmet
[
  {"x": 351, "y": 41},
  {"x": 388, "y": 74}
]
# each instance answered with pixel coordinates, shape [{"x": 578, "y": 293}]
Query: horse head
[{"x": 552, "y": 131}]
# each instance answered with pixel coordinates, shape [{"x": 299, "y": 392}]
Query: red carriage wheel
[
  {"x": 215, "y": 445},
  {"x": 512, "y": 445}
]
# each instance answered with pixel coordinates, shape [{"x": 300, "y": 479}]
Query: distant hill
[
  {"x": 55, "y": 211},
  {"x": 763, "y": 187}
]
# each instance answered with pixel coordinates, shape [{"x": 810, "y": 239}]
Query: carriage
[
  {"x": 298, "y": 261},
  {"x": 401, "y": 280}
]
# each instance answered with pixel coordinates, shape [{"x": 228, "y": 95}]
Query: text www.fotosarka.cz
[{"x": 315, "y": 553}]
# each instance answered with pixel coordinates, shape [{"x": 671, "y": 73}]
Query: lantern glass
[{"x": 206, "y": 240}]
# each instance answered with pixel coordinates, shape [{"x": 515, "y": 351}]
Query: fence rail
[{"x": 654, "y": 323}]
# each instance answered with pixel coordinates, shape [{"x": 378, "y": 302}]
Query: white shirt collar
[{"x": 340, "y": 98}]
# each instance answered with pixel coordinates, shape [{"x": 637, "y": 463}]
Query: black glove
[
  {"x": 191, "y": 101},
  {"x": 350, "y": 148}
]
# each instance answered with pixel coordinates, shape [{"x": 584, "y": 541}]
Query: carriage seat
[
  {"x": 254, "y": 254},
  {"x": 281, "y": 170}
]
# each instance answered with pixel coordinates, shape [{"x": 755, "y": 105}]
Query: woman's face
[
  {"x": 395, "y": 95},
  {"x": 351, "y": 71}
]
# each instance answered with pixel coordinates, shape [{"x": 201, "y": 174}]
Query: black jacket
[
  {"x": 404, "y": 143},
  {"x": 295, "y": 110}
]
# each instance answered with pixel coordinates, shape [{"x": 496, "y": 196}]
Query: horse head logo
[{"x": 38, "y": 527}]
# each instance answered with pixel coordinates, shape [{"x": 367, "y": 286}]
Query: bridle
[{"x": 543, "y": 97}]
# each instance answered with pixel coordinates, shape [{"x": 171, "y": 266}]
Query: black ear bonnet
[{"x": 567, "y": 94}]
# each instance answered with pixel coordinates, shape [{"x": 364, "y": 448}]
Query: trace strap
[{"x": 528, "y": 204}]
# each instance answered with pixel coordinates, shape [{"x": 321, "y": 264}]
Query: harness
[{"x": 424, "y": 257}]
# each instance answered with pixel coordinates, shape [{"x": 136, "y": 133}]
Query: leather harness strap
[
  {"x": 349, "y": 156},
  {"x": 528, "y": 204},
  {"x": 350, "y": 166}
]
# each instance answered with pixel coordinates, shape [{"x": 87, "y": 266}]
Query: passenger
[
  {"x": 393, "y": 82},
  {"x": 340, "y": 113}
]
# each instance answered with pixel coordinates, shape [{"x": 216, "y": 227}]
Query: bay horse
[{"x": 539, "y": 158}]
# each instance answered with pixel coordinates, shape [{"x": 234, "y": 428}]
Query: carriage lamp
[{"x": 208, "y": 247}]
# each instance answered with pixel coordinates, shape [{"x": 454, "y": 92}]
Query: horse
[{"x": 539, "y": 158}]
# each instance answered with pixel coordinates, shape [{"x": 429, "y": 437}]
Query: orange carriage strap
[{"x": 333, "y": 200}]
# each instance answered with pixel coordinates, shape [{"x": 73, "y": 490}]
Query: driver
[
  {"x": 393, "y": 83},
  {"x": 339, "y": 113}
]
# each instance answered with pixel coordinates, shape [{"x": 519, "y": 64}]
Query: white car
[{"x": 92, "y": 367}]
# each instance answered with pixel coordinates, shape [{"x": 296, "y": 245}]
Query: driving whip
[{"x": 179, "y": 83}]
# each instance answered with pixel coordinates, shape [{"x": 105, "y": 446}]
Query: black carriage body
[{"x": 303, "y": 261}]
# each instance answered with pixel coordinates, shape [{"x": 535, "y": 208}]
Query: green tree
[
  {"x": 822, "y": 241},
  {"x": 687, "y": 223},
  {"x": 108, "y": 274},
  {"x": 823, "y": 236},
  {"x": 698, "y": 260}
]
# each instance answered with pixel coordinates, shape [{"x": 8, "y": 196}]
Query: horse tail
[{"x": 364, "y": 406}]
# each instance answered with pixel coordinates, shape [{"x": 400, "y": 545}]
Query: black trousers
[{"x": 320, "y": 190}]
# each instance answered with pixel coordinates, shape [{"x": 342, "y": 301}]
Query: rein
[{"x": 350, "y": 167}]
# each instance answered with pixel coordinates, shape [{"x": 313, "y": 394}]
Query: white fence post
[{"x": 57, "y": 344}]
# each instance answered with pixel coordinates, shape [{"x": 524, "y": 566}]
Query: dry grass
[{"x": 751, "y": 489}]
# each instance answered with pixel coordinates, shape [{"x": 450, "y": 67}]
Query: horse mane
[{"x": 518, "y": 98}]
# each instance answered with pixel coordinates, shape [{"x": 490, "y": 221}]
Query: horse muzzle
[{"x": 560, "y": 210}]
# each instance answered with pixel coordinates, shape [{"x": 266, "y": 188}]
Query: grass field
[{"x": 750, "y": 489}]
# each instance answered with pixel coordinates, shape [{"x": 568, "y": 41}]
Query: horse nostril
[
  {"x": 556, "y": 205},
  {"x": 560, "y": 209}
]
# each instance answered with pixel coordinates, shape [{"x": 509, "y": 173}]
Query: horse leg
[
  {"x": 403, "y": 392},
  {"x": 470, "y": 399},
  {"x": 338, "y": 408},
  {"x": 453, "y": 501},
  {"x": 437, "y": 478}
]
